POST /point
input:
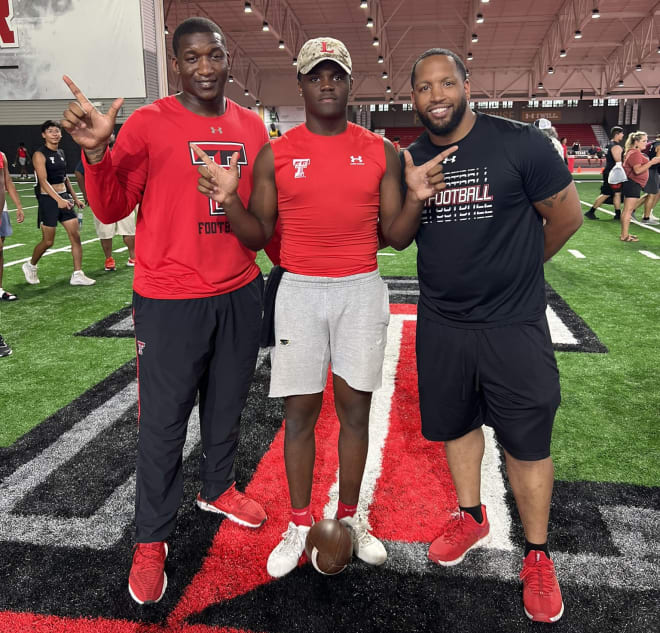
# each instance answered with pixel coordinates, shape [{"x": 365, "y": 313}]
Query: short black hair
[
  {"x": 46, "y": 124},
  {"x": 21, "y": 143},
  {"x": 196, "y": 25},
  {"x": 439, "y": 51},
  {"x": 615, "y": 130}
]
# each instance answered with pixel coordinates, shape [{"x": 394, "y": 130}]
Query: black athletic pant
[{"x": 186, "y": 345}]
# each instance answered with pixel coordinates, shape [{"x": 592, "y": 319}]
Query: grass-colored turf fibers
[{"x": 606, "y": 428}]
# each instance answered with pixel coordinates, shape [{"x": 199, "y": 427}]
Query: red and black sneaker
[
  {"x": 541, "y": 593},
  {"x": 147, "y": 581},
  {"x": 235, "y": 506},
  {"x": 459, "y": 536}
]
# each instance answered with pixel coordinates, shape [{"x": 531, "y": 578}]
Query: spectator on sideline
[
  {"x": 329, "y": 181},
  {"x": 637, "y": 166},
  {"x": 274, "y": 131},
  {"x": 397, "y": 144},
  {"x": 105, "y": 232},
  {"x": 546, "y": 127},
  {"x": 56, "y": 199},
  {"x": 484, "y": 352},
  {"x": 564, "y": 144},
  {"x": 197, "y": 297},
  {"x": 610, "y": 194},
  {"x": 7, "y": 187},
  {"x": 22, "y": 158},
  {"x": 576, "y": 147},
  {"x": 652, "y": 187}
]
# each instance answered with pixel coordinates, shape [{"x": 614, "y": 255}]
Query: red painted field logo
[
  {"x": 8, "y": 37},
  {"x": 140, "y": 346}
]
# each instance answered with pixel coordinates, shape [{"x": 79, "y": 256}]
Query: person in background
[
  {"x": 105, "y": 232},
  {"x": 396, "y": 141},
  {"x": 7, "y": 187},
  {"x": 610, "y": 193},
  {"x": 22, "y": 159},
  {"x": 636, "y": 165},
  {"x": 56, "y": 199}
]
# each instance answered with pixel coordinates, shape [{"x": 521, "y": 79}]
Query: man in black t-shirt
[
  {"x": 610, "y": 194},
  {"x": 484, "y": 353}
]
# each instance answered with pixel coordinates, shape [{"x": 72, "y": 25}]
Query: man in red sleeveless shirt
[
  {"x": 197, "y": 290},
  {"x": 330, "y": 183}
]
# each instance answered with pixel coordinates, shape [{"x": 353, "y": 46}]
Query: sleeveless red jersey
[
  {"x": 184, "y": 243},
  {"x": 328, "y": 195}
]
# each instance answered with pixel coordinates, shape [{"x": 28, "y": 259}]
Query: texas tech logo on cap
[{"x": 321, "y": 49}]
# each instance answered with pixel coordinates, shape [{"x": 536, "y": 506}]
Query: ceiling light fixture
[
  {"x": 167, "y": 31},
  {"x": 370, "y": 23},
  {"x": 375, "y": 41},
  {"x": 475, "y": 37},
  {"x": 380, "y": 59},
  {"x": 246, "y": 92},
  {"x": 391, "y": 100},
  {"x": 281, "y": 44},
  {"x": 638, "y": 68},
  {"x": 295, "y": 61},
  {"x": 388, "y": 89},
  {"x": 469, "y": 56},
  {"x": 540, "y": 86},
  {"x": 247, "y": 8},
  {"x": 480, "y": 18},
  {"x": 595, "y": 13},
  {"x": 578, "y": 35},
  {"x": 551, "y": 70},
  {"x": 384, "y": 75},
  {"x": 265, "y": 27},
  {"x": 257, "y": 102},
  {"x": 562, "y": 52},
  {"x": 620, "y": 84},
  {"x": 363, "y": 4},
  {"x": 230, "y": 79}
]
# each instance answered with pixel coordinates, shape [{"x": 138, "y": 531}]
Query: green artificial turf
[{"x": 606, "y": 428}]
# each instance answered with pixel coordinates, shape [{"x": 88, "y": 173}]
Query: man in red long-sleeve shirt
[{"x": 197, "y": 290}]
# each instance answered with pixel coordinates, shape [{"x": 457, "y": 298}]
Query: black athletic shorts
[
  {"x": 504, "y": 377},
  {"x": 50, "y": 214},
  {"x": 609, "y": 190},
  {"x": 632, "y": 189}
]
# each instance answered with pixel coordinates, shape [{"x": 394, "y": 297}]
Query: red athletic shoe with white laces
[
  {"x": 147, "y": 581},
  {"x": 459, "y": 536},
  {"x": 541, "y": 593},
  {"x": 236, "y": 507}
]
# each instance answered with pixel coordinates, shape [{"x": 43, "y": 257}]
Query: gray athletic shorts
[
  {"x": 651, "y": 186},
  {"x": 323, "y": 320},
  {"x": 5, "y": 224}
]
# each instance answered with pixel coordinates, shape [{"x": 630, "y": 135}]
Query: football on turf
[{"x": 329, "y": 546}]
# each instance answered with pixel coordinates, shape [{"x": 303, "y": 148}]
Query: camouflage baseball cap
[{"x": 320, "y": 49}]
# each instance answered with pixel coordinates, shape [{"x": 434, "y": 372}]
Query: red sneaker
[
  {"x": 236, "y": 507},
  {"x": 541, "y": 593},
  {"x": 147, "y": 581},
  {"x": 110, "y": 264},
  {"x": 130, "y": 262},
  {"x": 459, "y": 536}
]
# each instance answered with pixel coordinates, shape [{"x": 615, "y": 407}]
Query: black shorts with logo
[
  {"x": 632, "y": 189},
  {"x": 505, "y": 377},
  {"x": 50, "y": 214}
]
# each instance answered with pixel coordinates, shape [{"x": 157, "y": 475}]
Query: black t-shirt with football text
[{"x": 480, "y": 242}]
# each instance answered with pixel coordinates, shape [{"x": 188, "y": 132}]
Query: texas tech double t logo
[{"x": 221, "y": 153}]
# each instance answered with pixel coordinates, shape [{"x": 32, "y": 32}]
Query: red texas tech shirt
[{"x": 184, "y": 243}]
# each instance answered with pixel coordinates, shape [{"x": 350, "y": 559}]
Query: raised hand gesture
[
  {"x": 426, "y": 180},
  {"x": 215, "y": 181},
  {"x": 88, "y": 127}
]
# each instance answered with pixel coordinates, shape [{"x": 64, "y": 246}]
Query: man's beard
[{"x": 450, "y": 126}]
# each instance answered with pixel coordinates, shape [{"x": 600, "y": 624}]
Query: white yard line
[
  {"x": 576, "y": 254},
  {"x": 632, "y": 221},
  {"x": 64, "y": 249},
  {"x": 649, "y": 254}
]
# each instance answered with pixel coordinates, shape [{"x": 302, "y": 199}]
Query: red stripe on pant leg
[
  {"x": 236, "y": 561},
  {"x": 415, "y": 491}
]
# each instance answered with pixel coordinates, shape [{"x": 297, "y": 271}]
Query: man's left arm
[{"x": 563, "y": 217}]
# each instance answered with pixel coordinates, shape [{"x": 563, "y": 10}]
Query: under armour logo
[
  {"x": 300, "y": 164},
  {"x": 140, "y": 346},
  {"x": 449, "y": 159},
  {"x": 216, "y": 129},
  {"x": 52, "y": 159},
  {"x": 357, "y": 160}
]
